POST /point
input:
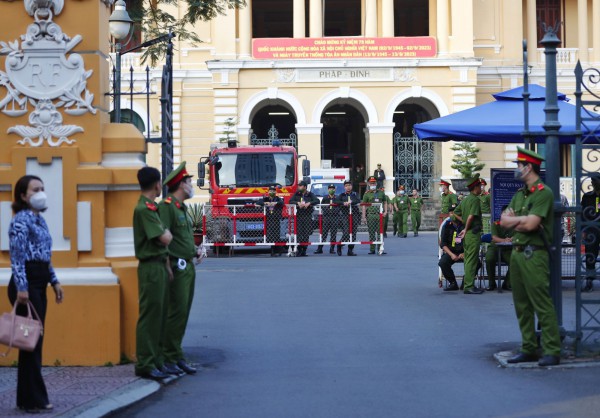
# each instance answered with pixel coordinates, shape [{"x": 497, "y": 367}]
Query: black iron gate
[
  {"x": 587, "y": 205},
  {"x": 413, "y": 164},
  {"x": 166, "y": 101},
  {"x": 273, "y": 135}
]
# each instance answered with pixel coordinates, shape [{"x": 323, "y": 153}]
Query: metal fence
[{"x": 292, "y": 227}]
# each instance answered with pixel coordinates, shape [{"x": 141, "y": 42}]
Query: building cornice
[{"x": 216, "y": 65}]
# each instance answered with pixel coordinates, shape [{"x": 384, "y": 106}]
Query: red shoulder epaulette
[
  {"x": 497, "y": 223},
  {"x": 168, "y": 200},
  {"x": 178, "y": 205},
  {"x": 151, "y": 206},
  {"x": 541, "y": 186}
]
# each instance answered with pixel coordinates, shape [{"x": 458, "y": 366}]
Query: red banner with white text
[{"x": 344, "y": 48}]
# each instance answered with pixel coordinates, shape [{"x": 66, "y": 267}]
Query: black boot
[
  {"x": 332, "y": 249},
  {"x": 319, "y": 250},
  {"x": 351, "y": 252},
  {"x": 451, "y": 287},
  {"x": 395, "y": 230},
  {"x": 339, "y": 250}
]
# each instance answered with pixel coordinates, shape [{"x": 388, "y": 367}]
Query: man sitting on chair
[
  {"x": 453, "y": 251},
  {"x": 499, "y": 235}
]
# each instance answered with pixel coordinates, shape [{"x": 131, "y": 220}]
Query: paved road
[{"x": 366, "y": 336}]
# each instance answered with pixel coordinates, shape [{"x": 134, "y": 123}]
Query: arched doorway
[
  {"x": 343, "y": 135},
  {"x": 273, "y": 121},
  {"x": 414, "y": 160}
]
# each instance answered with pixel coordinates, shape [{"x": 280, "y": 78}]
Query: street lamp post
[
  {"x": 552, "y": 127},
  {"x": 119, "y": 25}
]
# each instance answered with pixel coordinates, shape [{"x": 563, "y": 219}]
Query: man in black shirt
[
  {"x": 453, "y": 251},
  {"x": 305, "y": 202},
  {"x": 274, "y": 207},
  {"x": 330, "y": 212},
  {"x": 348, "y": 202}
]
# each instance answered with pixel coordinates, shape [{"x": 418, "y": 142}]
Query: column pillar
[
  {"x": 299, "y": 19},
  {"x": 596, "y": 29},
  {"x": 532, "y": 41},
  {"x": 371, "y": 19},
  {"x": 461, "y": 15},
  {"x": 388, "y": 18},
  {"x": 245, "y": 16},
  {"x": 309, "y": 142},
  {"x": 315, "y": 25},
  {"x": 380, "y": 150},
  {"x": 582, "y": 30},
  {"x": 442, "y": 26}
]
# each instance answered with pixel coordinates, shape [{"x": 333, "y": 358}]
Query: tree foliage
[
  {"x": 465, "y": 159},
  {"x": 228, "y": 130},
  {"x": 152, "y": 17}
]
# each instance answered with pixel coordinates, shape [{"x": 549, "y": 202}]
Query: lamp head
[{"x": 119, "y": 22}]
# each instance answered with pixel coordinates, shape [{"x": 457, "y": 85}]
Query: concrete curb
[
  {"x": 565, "y": 363},
  {"x": 118, "y": 399}
]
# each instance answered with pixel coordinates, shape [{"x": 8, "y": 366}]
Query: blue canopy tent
[{"x": 503, "y": 120}]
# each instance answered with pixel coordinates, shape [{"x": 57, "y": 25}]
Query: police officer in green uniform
[
  {"x": 415, "y": 202},
  {"x": 499, "y": 235},
  {"x": 400, "y": 205},
  {"x": 530, "y": 214},
  {"x": 388, "y": 209},
  {"x": 182, "y": 252},
  {"x": 469, "y": 213},
  {"x": 150, "y": 238},
  {"x": 485, "y": 198},
  {"x": 370, "y": 213},
  {"x": 449, "y": 199}
]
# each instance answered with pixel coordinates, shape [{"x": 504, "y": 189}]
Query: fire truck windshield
[{"x": 255, "y": 169}]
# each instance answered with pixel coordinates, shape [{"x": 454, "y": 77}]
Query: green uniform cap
[
  {"x": 176, "y": 175},
  {"x": 473, "y": 181},
  {"x": 528, "y": 156}
]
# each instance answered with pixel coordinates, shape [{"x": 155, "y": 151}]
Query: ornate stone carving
[
  {"x": 405, "y": 74},
  {"x": 40, "y": 74},
  {"x": 285, "y": 75}
]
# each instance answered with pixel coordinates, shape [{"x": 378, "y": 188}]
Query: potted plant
[{"x": 195, "y": 213}]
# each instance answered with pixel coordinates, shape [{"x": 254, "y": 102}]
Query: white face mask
[
  {"x": 401, "y": 192},
  {"x": 372, "y": 187},
  {"x": 520, "y": 173},
  {"x": 441, "y": 190},
  {"x": 189, "y": 190},
  {"x": 38, "y": 201}
]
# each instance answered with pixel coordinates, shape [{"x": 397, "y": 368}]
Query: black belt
[
  {"x": 156, "y": 259},
  {"x": 522, "y": 248}
]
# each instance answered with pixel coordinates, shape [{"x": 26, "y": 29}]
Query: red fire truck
[{"x": 239, "y": 176}]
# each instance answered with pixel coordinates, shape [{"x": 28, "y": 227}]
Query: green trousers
[
  {"x": 386, "y": 221},
  {"x": 181, "y": 295},
  {"x": 491, "y": 263},
  {"x": 471, "y": 245},
  {"x": 373, "y": 227},
  {"x": 531, "y": 296},
  {"x": 415, "y": 219},
  {"x": 401, "y": 222},
  {"x": 153, "y": 299}
]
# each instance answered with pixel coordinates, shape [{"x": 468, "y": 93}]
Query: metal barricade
[{"x": 292, "y": 227}]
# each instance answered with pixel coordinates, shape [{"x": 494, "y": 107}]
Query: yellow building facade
[{"x": 273, "y": 64}]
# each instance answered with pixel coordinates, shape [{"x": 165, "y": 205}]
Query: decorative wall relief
[
  {"x": 405, "y": 75},
  {"x": 40, "y": 75}
]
